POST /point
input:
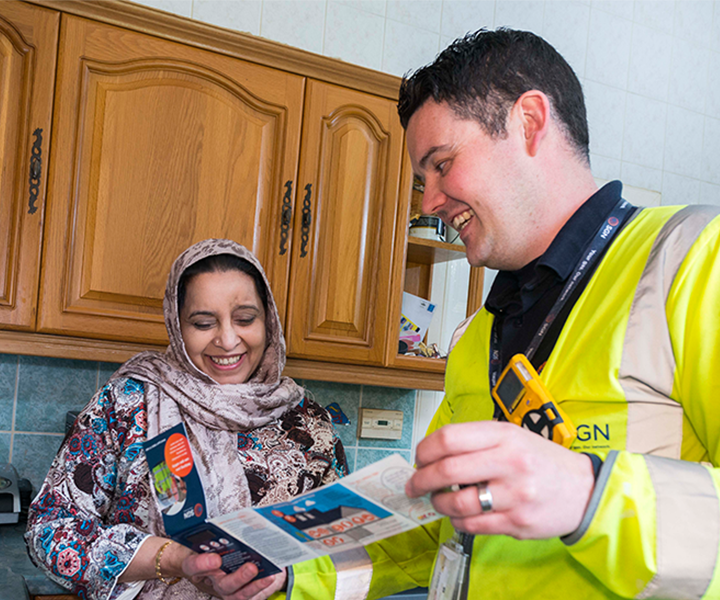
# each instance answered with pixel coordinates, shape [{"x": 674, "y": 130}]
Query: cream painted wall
[{"x": 649, "y": 67}]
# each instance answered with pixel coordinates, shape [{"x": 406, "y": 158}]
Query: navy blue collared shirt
[{"x": 520, "y": 300}]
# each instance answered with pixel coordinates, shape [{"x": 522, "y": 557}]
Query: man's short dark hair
[{"x": 482, "y": 75}]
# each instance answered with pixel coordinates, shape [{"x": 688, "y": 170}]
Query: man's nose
[{"x": 433, "y": 199}]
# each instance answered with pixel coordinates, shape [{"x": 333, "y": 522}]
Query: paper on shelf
[{"x": 415, "y": 318}]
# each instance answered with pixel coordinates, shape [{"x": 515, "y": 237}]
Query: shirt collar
[
  {"x": 564, "y": 251},
  {"x": 557, "y": 262}
]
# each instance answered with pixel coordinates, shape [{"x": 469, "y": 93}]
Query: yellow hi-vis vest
[{"x": 637, "y": 370}]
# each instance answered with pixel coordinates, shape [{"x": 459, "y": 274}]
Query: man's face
[{"x": 474, "y": 183}]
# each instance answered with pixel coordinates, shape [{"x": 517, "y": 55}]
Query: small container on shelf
[{"x": 428, "y": 227}]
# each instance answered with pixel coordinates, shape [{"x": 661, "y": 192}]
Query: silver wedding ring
[{"x": 485, "y": 497}]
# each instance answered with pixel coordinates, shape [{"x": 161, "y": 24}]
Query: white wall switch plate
[{"x": 382, "y": 424}]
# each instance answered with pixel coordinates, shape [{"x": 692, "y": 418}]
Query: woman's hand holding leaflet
[{"x": 203, "y": 570}]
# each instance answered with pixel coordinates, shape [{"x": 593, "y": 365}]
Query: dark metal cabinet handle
[
  {"x": 286, "y": 217},
  {"x": 35, "y": 171},
  {"x": 35, "y": 167},
  {"x": 306, "y": 220}
]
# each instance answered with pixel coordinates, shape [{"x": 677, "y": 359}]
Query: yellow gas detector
[{"x": 525, "y": 401}]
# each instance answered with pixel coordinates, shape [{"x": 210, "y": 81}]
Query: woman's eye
[
  {"x": 441, "y": 167},
  {"x": 245, "y": 321},
  {"x": 202, "y": 325}
]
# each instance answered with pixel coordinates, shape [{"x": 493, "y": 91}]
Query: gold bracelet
[{"x": 158, "y": 556}]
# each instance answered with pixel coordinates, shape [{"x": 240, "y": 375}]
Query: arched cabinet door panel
[
  {"x": 28, "y": 46},
  {"x": 158, "y": 145},
  {"x": 345, "y": 218}
]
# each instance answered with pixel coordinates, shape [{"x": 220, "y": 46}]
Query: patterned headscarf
[{"x": 213, "y": 413}]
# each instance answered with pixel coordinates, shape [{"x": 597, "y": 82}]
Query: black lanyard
[{"x": 596, "y": 248}]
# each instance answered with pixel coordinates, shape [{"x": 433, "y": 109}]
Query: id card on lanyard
[{"x": 449, "y": 579}]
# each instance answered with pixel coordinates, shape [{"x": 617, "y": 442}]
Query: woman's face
[{"x": 223, "y": 325}]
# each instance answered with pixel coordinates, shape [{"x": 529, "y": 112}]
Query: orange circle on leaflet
[{"x": 178, "y": 455}]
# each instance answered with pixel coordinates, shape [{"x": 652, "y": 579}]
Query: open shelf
[
  {"x": 422, "y": 257},
  {"x": 429, "y": 252}
]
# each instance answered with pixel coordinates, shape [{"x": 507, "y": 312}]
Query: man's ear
[{"x": 533, "y": 109}]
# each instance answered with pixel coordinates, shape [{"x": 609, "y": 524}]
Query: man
[
  {"x": 496, "y": 128},
  {"x": 618, "y": 309}
]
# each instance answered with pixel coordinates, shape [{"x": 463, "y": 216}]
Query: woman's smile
[{"x": 226, "y": 362}]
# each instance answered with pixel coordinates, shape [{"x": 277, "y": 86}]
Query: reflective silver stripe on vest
[
  {"x": 688, "y": 529},
  {"x": 688, "y": 517},
  {"x": 647, "y": 369},
  {"x": 354, "y": 574},
  {"x": 460, "y": 329}
]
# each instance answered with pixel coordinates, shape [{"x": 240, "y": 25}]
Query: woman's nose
[{"x": 228, "y": 338}]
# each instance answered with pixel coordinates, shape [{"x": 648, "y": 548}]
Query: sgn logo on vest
[{"x": 594, "y": 435}]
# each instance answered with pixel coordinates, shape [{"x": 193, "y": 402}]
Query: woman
[{"x": 95, "y": 526}]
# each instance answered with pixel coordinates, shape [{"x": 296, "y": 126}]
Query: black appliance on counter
[{"x": 9, "y": 494}]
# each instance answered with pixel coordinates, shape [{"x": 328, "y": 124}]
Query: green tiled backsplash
[{"x": 35, "y": 394}]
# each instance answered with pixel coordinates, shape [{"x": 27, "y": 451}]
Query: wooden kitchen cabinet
[
  {"x": 28, "y": 46},
  {"x": 166, "y": 131},
  {"x": 157, "y": 145},
  {"x": 340, "y": 292}
]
